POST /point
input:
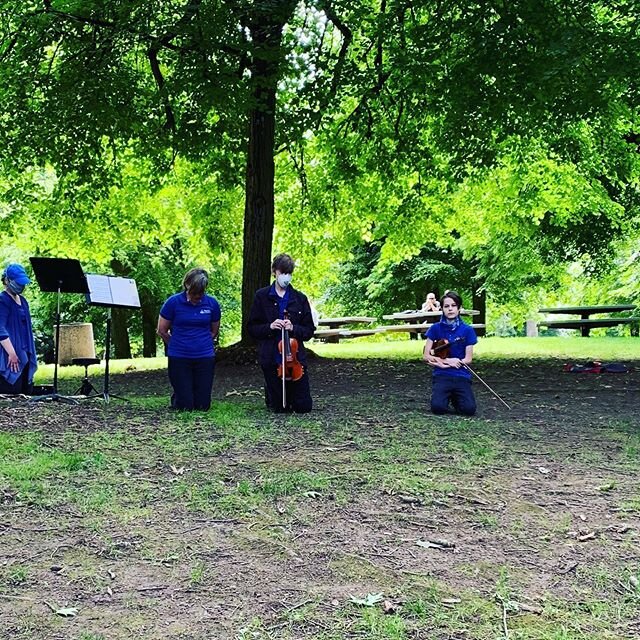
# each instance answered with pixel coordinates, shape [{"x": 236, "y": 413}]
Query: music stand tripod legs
[
  {"x": 105, "y": 393},
  {"x": 55, "y": 396}
]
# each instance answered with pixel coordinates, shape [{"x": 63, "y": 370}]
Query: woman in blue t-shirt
[
  {"x": 451, "y": 379},
  {"x": 188, "y": 325}
]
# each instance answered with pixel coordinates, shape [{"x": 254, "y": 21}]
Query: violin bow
[
  {"x": 284, "y": 372},
  {"x": 486, "y": 385}
]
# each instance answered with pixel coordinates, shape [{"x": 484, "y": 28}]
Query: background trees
[{"x": 492, "y": 142}]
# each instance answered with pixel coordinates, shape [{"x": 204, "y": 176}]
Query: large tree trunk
[
  {"x": 479, "y": 302},
  {"x": 150, "y": 310},
  {"x": 120, "y": 333},
  {"x": 266, "y": 33},
  {"x": 120, "y": 319}
]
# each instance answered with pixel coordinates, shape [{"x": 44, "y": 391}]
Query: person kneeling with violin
[
  {"x": 280, "y": 320},
  {"x": 449, "y": 349}
]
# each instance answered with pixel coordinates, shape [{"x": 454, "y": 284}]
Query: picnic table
[
  {"x": 335, "y": 332},
  {"x": 418, "y": 321},
  {"x": 586, "y": 322}
]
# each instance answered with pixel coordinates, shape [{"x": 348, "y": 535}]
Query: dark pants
[
  {"x": 21, "y": 385},
  {"x": 455, "y": 390},
  {"x": 192, "y": 381},
  {"x": 298, "y": 393}
]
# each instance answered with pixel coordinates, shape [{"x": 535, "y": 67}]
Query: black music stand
[
  {"x": 61, "y": 275},
  {"x": 111, "y": 291}
]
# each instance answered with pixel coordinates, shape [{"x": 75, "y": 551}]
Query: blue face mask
[{"x": 14, "y": 287}]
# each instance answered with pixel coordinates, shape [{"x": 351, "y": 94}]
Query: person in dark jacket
[
  {"x": 266, "y": 321},
  {"x": 17, "y": 348}
]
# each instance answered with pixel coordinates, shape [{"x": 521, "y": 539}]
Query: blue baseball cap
[{"x": 16, "y": 273}]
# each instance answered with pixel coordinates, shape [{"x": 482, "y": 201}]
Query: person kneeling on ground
[
  {"x": 189, "y": 323},
  {"x": 276, "y": 307},
  {"x": 451, "y": 379}
]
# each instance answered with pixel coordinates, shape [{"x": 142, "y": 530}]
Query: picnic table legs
[
  {"x": 584, "y": 329},
  {"x": 335, "y": 338}
]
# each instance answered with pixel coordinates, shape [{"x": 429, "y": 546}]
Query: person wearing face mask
[
  {"x": 18, "y": 353},
  {"x": 276, "y": 307},
  {"x": 188, "y": 324},
  {"x": 451, "y": 379}
]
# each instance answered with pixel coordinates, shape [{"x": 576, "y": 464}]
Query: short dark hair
[
  {"x": 283, "y": 263},
  {"x": 196, "y": 281},
  {"x": 454, "y": 296}
]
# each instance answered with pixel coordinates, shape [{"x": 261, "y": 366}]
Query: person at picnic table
[
  {"x": 189, "y": 324},
  {"x": 276, "y": 307},
  {"x": 451, "y": 382},
  {"x": 430, "y": 304},
  {"x": 18, "y": 353}
]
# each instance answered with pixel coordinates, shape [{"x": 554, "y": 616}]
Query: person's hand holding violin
[
  {"x": 436, "y": 354},
  {"x": 278, "y": 325}
]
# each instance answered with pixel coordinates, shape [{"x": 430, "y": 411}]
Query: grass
[
  {"x": 602, "y": 348},
  {"x": 607, "y": 349},
  {"x": 181, "y": 497}
]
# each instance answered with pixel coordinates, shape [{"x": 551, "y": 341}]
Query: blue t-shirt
[
  {"x": 190, "y": 325},
  {"x": 460, "y": 338}
]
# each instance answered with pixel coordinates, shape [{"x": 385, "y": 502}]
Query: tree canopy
[{"x": 504, "y": 134}]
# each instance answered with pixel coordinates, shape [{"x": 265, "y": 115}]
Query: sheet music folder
[{"x": 111, "y": 291}]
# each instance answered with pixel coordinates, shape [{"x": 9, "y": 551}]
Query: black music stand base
[{"x": 54, "y": 397}]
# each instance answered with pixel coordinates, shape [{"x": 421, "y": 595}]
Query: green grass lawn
[
  {"x": 606, "y": 349},
  {"x": 601, "y": 348},
  {"x": 144, "y": 512}
]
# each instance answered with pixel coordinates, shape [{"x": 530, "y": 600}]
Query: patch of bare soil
[{"x": 554, "y": 515}]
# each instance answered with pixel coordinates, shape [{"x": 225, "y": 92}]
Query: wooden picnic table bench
[
  {"x": 417, "y": 319},
  {"x": 418, "y": 316},
  {"x": 585, "y": 323},
  {"x": 334, "y": 332},
  {"x": 415, "y": 328}
]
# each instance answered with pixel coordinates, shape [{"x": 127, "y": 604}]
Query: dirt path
[{"x": 528, "y": 516}]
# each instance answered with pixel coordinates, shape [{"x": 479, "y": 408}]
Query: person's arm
[
  {"x": 5, "y": 339},
  {"x": 305, "y": 328},
  {"x": 460, "y": 362},
  {"x": 215, "y": 330},
  {"x": 164, "y": 329},
  {"x": 430, "y": 359},
  {"x": 12, "y": 356},
  {"x": 258, "y": 324}
]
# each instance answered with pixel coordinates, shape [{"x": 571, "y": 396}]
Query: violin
[
  {"x": 441, "y": 348},
  {"x": 290, "y": 368}
]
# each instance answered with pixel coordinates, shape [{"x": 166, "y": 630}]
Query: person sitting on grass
[{"x": 451, "y": 383}]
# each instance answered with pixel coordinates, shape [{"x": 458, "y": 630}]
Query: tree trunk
[
  {"x": 150, "y": 311},
  {"x": 266, "y": 33},
  {"x": 120, "y": 333},
  {"x": 479, "y": 302},
  {"x": 120, "y": 319}
]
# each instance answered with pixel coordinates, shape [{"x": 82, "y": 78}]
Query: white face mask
[{"x": 283, "y": 280}]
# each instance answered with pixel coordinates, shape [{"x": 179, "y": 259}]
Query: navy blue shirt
[
  {"x": 190, "y": 325},
  {"x": 460, "y": 338},
  {"x": 15, "y": 323}
]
